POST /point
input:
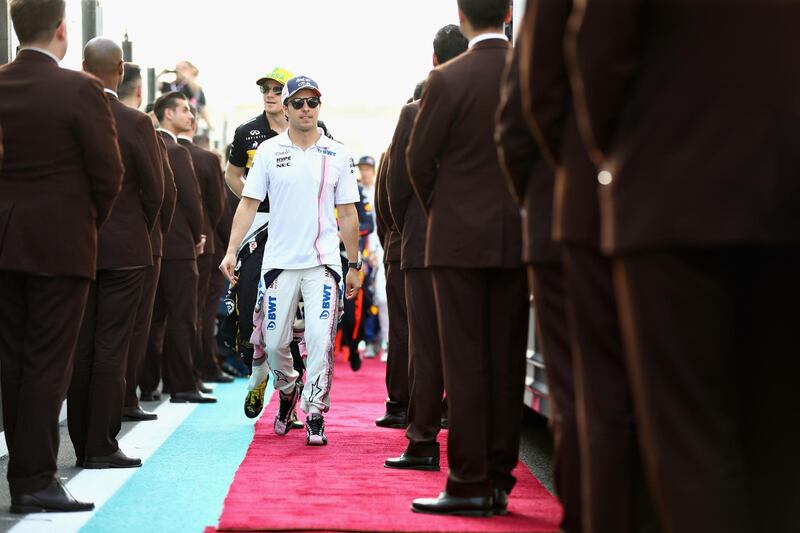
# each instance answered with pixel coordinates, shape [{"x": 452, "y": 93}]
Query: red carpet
[{"x": 284, "y": 485}]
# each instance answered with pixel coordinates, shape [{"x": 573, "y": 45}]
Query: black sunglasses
[
  {"x": 298, "y": 103},
  {"x": 278, "y": 89}
]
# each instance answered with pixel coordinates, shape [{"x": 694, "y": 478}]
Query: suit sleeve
[
  {"x": 398, "y": 185},
  {"x": 380, "y": 222},
  {"x": 208, "y": 180},
  {"x": 516, "y": 147},
  {"x": 216, "y": 201},
  {"x": 428, "y": 136},
  {"x": 101, "y": 157},
  {"x": 151, "y": 173},
  {"x": 546, "y": 97},
  {"x": 170, "y": 190},
  {"x": 189, "y": 197},
  {"x": 602, "y": 44}
]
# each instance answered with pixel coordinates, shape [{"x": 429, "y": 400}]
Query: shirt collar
[
  {"x": 486, "y": 36},
  {"x": 185, "y": 138},
  {"x": 323, "y": 142},
  {"x": 174, "y": 138},
  {"x": 112, "y": 93},
  {"x": 48, "y": 53}
]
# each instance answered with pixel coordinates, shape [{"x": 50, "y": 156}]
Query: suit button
[{"x": 605, "y": 177}]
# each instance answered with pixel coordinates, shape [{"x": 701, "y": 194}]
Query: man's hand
[
  {"x": 227, "y": 267},
  {"x": 352, "y": 283},
  {"x": 200, "y": 246}
]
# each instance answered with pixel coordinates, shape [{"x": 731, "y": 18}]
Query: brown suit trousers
[
  {"x": 141, "y": 332},
  {"x": 97, "y": 391},
  {"x": 615, "y": 495},
  {"x": 547, "y": 284},
  {"x": 397, "y": 363},
  {"x": 39, "y": 323},
  {"x": 714, "y": 332},
  {"x": 425, "y": 365},
  {"x": 173, "y": 330},
  {"x": 485, "y": 373},
  {"x": 205, "y": 363}
]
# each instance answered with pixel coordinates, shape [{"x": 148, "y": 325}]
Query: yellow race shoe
[{"x": 254, "y": 402}]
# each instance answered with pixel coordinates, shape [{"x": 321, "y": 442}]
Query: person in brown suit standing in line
[
  {"x": 210, "y": 178},
  {"x": 397, "y": 384},
  {"x": 699, "y": 206},
  {"x": 614, "y": 494},
  {"x": 174, "y": 326},
  {"x": 474, "y": 249},
  {"x": 96, "y": 394},
  {"x": 531, "y": 182},
  {"x": 130, "y": 94},
  {"x": 425, "y": 360},
  {"x": 53, "y": 197}
]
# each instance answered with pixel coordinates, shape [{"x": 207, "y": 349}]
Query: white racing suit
[{"x": 276, "y": 306}]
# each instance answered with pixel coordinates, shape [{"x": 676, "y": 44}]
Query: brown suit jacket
[
  {"x": 62, "y": 168},
  {"x": 168, "y": 206},
  {"x": 407, "y": 212},
  {"x": 530, "y": 177},
  {"x": 692, "y": 109},
  {"x": 124, "y": 239},
  {"x": 187, "y": 222},
  {"x": 387, "y": 231},
  {"x": 547, "y": 101},
  {"x": 209, "y": 176},
  {"x": 473, "y": 221}
]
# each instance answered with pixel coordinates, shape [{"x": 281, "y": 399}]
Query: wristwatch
[{"x": 357, "y": 264}]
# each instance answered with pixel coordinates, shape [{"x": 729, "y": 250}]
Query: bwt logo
[
  {"x": 272, "y": 308},
  {"x": 326, "y": 302}
]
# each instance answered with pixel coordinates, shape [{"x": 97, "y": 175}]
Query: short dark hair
[
  {"x": 130, "y": 81},
  {"x": 484, "y": 14},
  {"x": 167, "y": 101},
  {"x": 36, "y": 20},
  {"x": 448, "y": 43}
]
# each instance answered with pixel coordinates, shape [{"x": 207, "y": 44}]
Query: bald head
[{"x": 103, "y": 58}]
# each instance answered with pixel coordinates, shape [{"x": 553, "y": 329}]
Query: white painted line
[
  {"x": 4, "y": 447},
  {"x": 99, "y": 486}
]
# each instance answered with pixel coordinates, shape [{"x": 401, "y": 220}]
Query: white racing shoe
[
  {"x": 283, "y": 422},
  {"x": 315, "y": 430}
]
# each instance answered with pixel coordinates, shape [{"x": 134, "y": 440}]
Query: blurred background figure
[{"x": 183, "y": 79}]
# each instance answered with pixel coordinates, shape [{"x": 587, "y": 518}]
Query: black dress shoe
[
  {"x": 392, "y": 420},
  {"x": 192, "y": 397},
  {"x": 222, "y": 377},
  {"x": 52, "y": 499},
  {"x": 499, "y": 502},
  {"x": 115, "y": 460},
  {"x": 413, "y": 462},
  {"x": 137, "y": 414},
  {"x": 205, "y": 389},
  {"x": 454, "y": 505},
  {"x": 150, "y": 396}
]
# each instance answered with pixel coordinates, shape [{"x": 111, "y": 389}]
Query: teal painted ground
[{"x": 181, "y": 487}]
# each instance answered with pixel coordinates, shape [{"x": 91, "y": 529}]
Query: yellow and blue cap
[{"x": 278, "y": 74}]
